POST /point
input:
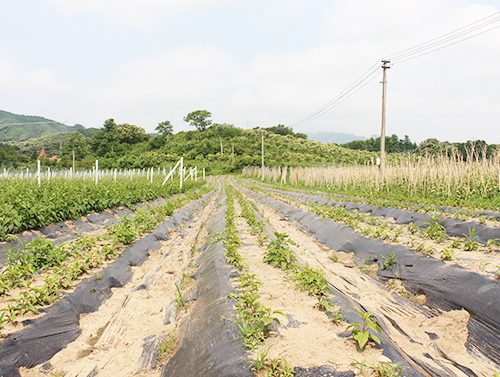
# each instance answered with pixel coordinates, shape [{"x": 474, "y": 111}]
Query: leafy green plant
[
  {"x": 470, "y": 243},
  {"x": 456, "y": 244},
  {"x": 310, "y": 280},
  {"x": 360, "y": 329},
  {"x": 434, "y": 231},
  {"x": 389, "y": 261},
  {"x": 447, "y": 254},
  {"x": 334, "y": 257},
  {"x": 279, "y": 368},
  {"x": 279, "y": 254},
  {"x": 123, "y": 231}
]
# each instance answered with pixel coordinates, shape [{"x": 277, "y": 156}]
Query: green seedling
[
  {"x": 166, "y": 347},
  {"x": 360, "y": 365},
  {"x": 470, "y": 243},
  {"x": 388, "y": 369},
  {"x": 360, "y": 329},
  {"x": 179, "y": 300},
  {"x": 260, "y": 362},
  {"x": 389, "y": 261},
  {"x": 447, "y": 254}
]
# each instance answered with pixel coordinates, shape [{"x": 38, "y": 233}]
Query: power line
[
  {"x": 446, "y": 37},
  {"x": 341, "y": 97},
  {"x": 414, "y": 52},
  {"x": 40, "y": 108}
]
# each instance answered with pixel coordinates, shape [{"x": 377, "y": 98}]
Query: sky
[{"x": 252, "y": 63}]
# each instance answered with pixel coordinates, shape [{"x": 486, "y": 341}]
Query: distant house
[{"x": 43, "y": 154}]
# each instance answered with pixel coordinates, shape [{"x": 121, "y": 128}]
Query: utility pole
[
  {"x": 221, "y": 150},
  {"x": 385, "y": 67},
  {"x": 262, "y": 132}
]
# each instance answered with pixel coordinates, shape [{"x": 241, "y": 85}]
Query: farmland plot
[{"x": 253, "y": 285}]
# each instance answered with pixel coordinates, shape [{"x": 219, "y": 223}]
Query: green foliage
[
  {"x": 360, "y": 329},
  {"x": 123, "y": 231},
  {"x": 166, "y": 347},
  {"x": 434, "y": 231},
  {"x": 313, "y": 281},
  {"x": 260, "y": 362},
  {"x": 470, "y": 243},
  {"x": 279, "y": 254},
  {"x": 447, "y": 254},
  {"x": 24, "y": 205},
  {"x": 199, "y": 119},
  {"x": 179, "y": 299},
  {"x": 389, "y": 261}
]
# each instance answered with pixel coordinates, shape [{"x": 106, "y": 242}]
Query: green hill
[{"x": 14, "y": 127}]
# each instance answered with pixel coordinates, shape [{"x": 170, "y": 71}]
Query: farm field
[{"x": 246, "y": 278}]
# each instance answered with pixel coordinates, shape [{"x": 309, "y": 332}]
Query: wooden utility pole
[
  {"x": 385, "y": 67},
  {"x": 262, "y": 132}
]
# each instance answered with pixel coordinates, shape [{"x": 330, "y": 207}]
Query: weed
[
  {"x": 98, "y": 277},
  {"x": 336, "y": 317},
  {"x": 388, "y": 369},
  {"x": 456, "y": 244},
  {"x": 279, "y": 368},
  {"x": 389, "y": 261},
  {"x": 360, "y": 329},
  {"x": 334, "y": 257},
  {"x": 260, "y": 362},
  {"x": 359, "y": 365},
  {"x": 180, "y": 300},
  {"x": 166, "y": 347},
  {"x": 412, "y": 228},
  {"x": 492, "y": 244}
]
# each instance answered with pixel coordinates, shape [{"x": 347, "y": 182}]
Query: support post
[
  {"x": 385, "y": 67},
  {"x": 262, "y": 132}
]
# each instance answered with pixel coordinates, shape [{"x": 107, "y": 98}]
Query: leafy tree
[
  {"x": 165, "y": 128},
  {"x": 199, "y": 119},
  {"x": 77, "y": 143}
]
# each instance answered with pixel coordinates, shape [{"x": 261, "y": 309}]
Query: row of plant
[
  {"x": 24, "y": 205},
  {"x": 371, "y": 226},
  {"x": 254, "y": 321},
  {"x": 280, "y": 255},
  {"x": 464, "y": 214},
  {"x": 41, "y": 270}
]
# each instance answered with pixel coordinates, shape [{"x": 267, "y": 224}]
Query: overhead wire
[
  {"x": 368, "y": 75},
  {"x": 435, "y": 44}
]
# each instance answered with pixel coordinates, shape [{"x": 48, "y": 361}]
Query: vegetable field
[{"x": 240, "y": 278}]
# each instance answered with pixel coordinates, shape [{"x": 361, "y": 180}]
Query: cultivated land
[{"x": 203, "y": 283}]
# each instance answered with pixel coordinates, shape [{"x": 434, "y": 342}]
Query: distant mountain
[
  {"x": 14, "y": 127},
  {"x": 333, "y": 137}
]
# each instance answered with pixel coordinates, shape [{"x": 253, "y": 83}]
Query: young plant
[
  {"x": 360, "y": 329},
  {"x": 447, "y": 254},
  {"x": 180, "y": 301},
  {"x": 470, "y": 243},
  {"x": 389, "y": 261},
  {"x": 388, "y": 369},
  {"x": 260, "y": 362},
  {"x": 279, "y": 254},
  {"x": 166, "y": 347}
]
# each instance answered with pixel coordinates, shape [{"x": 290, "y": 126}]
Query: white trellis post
[
  {"x": 203, "y": 173},
  {"x": 38, "y": 174},
  {"x": 96, "y": 171}
]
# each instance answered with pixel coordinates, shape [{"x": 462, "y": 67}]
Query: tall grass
[{"x": 445, "y": 180}]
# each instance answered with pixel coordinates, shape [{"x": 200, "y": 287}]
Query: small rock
[{"x": 384, "y": 359}]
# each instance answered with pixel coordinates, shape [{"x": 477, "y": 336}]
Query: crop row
[
  {"x": 24, "y": 205},
  {"x": 417, "y": 238},
  {"x": 40, "y": 271}
]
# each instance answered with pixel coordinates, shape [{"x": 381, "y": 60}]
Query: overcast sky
[{"x": 255, "y": 63}]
